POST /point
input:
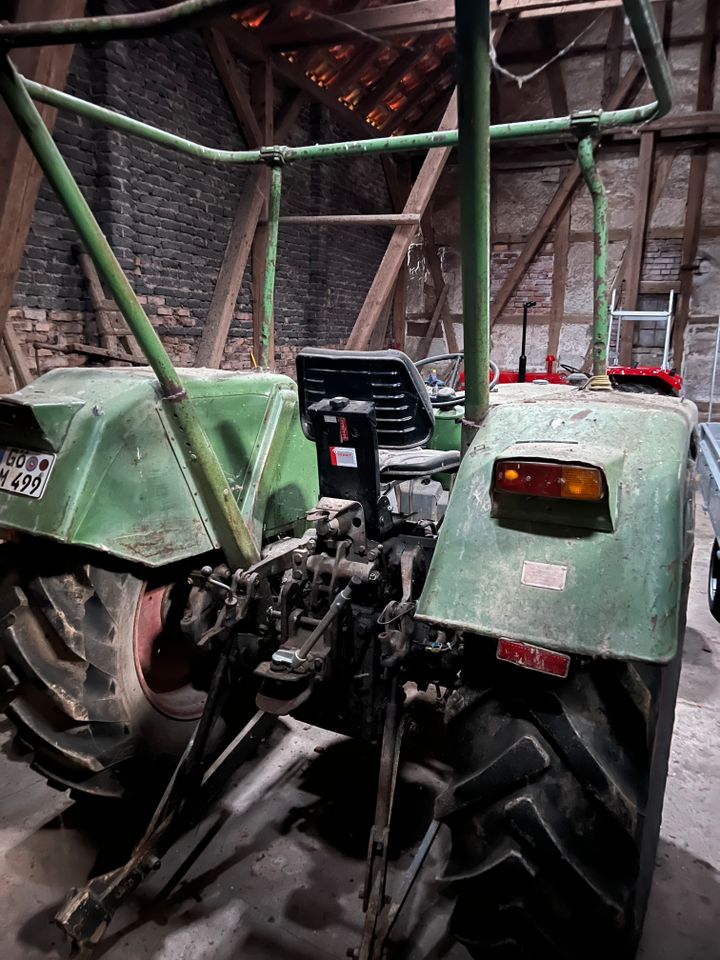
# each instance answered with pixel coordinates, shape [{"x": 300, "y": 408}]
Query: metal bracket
[
  {"x": 585, "y": 123},
  {"x": 275, "y": 156}
]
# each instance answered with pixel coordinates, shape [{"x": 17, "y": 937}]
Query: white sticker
[
  {"x": 343, "y": 457},
  {"x": 547, "y": 576},
  {"x": 330, "y": 419}
]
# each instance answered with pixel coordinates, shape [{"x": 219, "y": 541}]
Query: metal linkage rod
[{"x": 124, "y": 26}]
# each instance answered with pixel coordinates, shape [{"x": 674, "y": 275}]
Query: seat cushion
[{"x": 399, "y": 464}]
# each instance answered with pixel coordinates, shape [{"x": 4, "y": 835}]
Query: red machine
[{"x": 633, "y": 379}]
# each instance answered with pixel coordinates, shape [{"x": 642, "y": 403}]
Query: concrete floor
[{"x": 274, "y": 869}]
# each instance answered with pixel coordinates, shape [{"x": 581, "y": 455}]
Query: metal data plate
[{"x": 25, "y": 472}]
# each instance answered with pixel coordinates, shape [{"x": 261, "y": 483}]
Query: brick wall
[
  {"x": 535, "y": 285},
  {"x": 168, "y": 215}
]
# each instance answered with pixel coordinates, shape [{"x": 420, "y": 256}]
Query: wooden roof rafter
[{"x": 394, "y": 20}]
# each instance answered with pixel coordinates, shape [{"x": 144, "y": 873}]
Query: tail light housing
[{"x": 543, "y": 478}]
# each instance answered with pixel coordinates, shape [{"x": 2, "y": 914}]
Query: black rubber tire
[
  {"x": 69, "y": 678},
  {"x": 556, "y": 799},
  {"x": 635, "y": 387},
  {"x": 714, "y": 582}
]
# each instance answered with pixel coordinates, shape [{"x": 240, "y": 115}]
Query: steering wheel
[
  {"x": 445, "y": 398},
  {"x": 566, "y": 366}
]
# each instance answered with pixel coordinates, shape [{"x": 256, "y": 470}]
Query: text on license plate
[{"x": 25, "y": 472}]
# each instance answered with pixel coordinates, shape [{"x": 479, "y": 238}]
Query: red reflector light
[
  {"x": 562, "y": 481},
  {"x": 533, "y": 658}
]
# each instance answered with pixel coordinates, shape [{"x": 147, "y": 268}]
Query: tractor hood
[{"x": 119, "y": 482}]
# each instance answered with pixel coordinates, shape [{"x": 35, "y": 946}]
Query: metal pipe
[
  {"x": 586, "y": 160},
  {"x": 124, "y": 26},
  {"x": 554, "y": 126},
  {"x": 233, "y": 533},
  {"x": 472, "y": 19},
  {"x": 267, "y": 317}
]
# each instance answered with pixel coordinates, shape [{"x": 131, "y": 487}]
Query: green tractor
[{"x": 192, "y": 553}]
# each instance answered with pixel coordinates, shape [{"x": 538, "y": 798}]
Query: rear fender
[{"x": 554, "y": 575}]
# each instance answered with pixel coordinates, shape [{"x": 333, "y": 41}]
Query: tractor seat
[{"x": 410, "y": 464}]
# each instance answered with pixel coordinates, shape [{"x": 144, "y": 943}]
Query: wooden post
[
  {"x": 384, "y": 281},
  {"x": 261, "y": 92},
  {"x": 22, "y": 176},
  {"x": 441, "y": 292},
  {"x": 561, "y": 249},
  {"x": 399, "y": 306},
  {"x": 696, "y": 180},
  {"x": 222, "y": 306}
]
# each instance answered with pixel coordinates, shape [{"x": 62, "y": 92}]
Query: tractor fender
[
  {"x": 120, "y": 482},
  {"x": 601, "y": 579}
]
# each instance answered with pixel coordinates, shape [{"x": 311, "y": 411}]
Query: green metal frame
[
  {"x": 474, "y": 136},
  {"x": 586, "y": 161}
]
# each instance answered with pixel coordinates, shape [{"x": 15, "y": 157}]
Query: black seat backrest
[{"x": 387, "y": 378}]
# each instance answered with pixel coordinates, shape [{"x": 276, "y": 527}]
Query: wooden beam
[
  {"x": 354, "y": 220},
  {"x": 261, "y": 91},
  {"x": 553, "y": 74},
  {"x": 384, "y": 280},
  {"x": 22, "y": 176},
  {"x": 440, "y": 305},
  {"x": 557, "y": 205},
  {"x": 613, "y": 55},
  {"x": 399, "y": 19},
  {"x": 288, "y": 112},
  {"x": 696, "y": 181},
  {"x": 399, "y": 307},
  {"x": 16, "y": 355},
  {"x": 435, "y": 268},
  {"x": 222, "y": 306},
  {"x": 561, "y": 249},
  {"x": 234, "y": 85}
]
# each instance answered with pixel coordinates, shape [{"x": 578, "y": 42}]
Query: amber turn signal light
[{"x": 541, "y": 478}]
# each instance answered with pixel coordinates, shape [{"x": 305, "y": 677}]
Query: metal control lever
[{"x": 292, "y": 658}]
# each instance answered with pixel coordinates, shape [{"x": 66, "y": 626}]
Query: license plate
[{"x": 25, "y": 472}]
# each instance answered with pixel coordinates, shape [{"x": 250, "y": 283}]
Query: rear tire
[
  {"x": 714, "y": 582},
  {"x": 556, "y": 799},
  {"x": 76, "y": 696},
  {"x": 635, "y": 387},
  {"x": 555, "y": 807}
]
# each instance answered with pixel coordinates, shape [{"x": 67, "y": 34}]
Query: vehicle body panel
[
  {"x": 120, "y": 483},
  {"x": 620, "y": 590}
]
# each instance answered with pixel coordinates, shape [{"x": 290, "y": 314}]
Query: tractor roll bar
[{"x": 473, "y": 136}]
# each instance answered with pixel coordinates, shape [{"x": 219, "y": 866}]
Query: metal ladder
[{"x": 618, "y": 316}]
